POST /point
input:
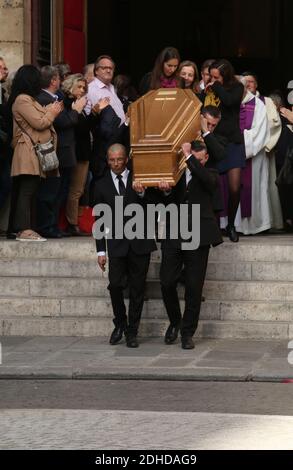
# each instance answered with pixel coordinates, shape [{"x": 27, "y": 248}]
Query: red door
[{"x": 74, "y": 34}]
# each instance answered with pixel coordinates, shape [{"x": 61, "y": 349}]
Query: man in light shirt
[{"x": 101, "y": 86}]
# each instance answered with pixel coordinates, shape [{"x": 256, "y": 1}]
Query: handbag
[{"x": 46, "y": 153}]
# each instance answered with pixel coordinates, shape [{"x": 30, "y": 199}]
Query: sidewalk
[{"x": 94, "y": 358}]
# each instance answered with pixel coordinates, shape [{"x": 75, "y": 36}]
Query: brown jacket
[{"x": 37, "y": 122}]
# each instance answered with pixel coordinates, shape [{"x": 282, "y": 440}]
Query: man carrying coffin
[
  {"x": 196, "y": 187},
  {"x": 128, "y": 258}
]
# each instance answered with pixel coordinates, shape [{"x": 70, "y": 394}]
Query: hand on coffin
[
  {"x": 164, "y": 186},
  {"x": 186, "y": 149},
  {"x": 138, "y": 187}
]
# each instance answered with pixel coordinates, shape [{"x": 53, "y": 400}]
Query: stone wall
[{"x": 15, "y": 32}]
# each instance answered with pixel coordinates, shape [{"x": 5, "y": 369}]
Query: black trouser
[
  {"x": 195, "y": 265},
  {"x": 130, "y": 270},
  {"x": 47, "y": 204},
  {"x": 23, "y": 201},
  {"x": 285, "y": 193},
  {"x": 5, "y": 180}
]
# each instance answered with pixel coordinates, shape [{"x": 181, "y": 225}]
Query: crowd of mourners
[{"x": 248, "y": 136}]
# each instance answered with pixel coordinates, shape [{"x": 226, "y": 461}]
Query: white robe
[
  {"x": 255, "y": 140},
  {"x": 275, "y": 125}
]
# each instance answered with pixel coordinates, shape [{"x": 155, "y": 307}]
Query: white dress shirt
[{"x": 97, "y": 90}]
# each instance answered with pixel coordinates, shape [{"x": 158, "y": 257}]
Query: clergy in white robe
[
  {"x": 256, "y": 136},
  {"x": 275, "y": 126},
  {"x": 256, "y": 139}
]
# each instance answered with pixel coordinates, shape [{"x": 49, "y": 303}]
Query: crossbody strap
[{"x": 25, "y": 132}]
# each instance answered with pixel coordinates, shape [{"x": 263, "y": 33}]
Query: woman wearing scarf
[{"x": 164, "y": 74}]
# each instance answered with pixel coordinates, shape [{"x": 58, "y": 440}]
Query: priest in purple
[{"x": 254, "y": 214}]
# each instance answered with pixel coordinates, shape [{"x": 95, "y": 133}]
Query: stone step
[
  {"x": 89, "y": 326},
  {"x": 222, "y": 271},
  {"x": 82, "y": 287},
  {"x": 272, "y": 248},
  {"x": 232, "y": 290},
  {"x": 153, "y": 309}
]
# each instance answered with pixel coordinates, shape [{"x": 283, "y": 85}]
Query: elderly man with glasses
[{"x": 101, "y": 86}]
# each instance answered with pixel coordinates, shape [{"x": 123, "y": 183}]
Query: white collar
[
  {"x": 124, "y": 174},
  {"x": 248, "y": 97}
]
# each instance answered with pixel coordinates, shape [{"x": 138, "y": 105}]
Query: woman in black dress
[{"x": 225, "y": 91}]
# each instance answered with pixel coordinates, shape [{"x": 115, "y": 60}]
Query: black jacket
[
  {"x": 82, "y": 131},
  {"x": 217, "y": 147},
  {"x": 200, "y": 191},
  {"x": 230, "y": 109},
  {"x": 107, "y": 132},
  {"x": 105, "y": 193},
  {"x": 64, "y": 125}
]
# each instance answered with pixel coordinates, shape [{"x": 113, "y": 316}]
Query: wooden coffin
[{"x": 160, "y": 122}]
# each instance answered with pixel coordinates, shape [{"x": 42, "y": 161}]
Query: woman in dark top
[
  {"x": 226, "y": 92},
  {"x": 75, "y": 88},
  {"x": 164, "y": 74}
]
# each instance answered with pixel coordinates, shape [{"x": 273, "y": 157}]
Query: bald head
[{"x": 117, "y": 148}]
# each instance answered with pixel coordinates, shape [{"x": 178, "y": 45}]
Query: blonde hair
[{"x": 70, "y": 82}]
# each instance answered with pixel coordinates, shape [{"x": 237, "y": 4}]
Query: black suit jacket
[
  {"x": 217, "y": 148},
  {"x": 105, "y": 192},
  {"x": 107, "y": 132},
  {"x": 200, "y": 190}
]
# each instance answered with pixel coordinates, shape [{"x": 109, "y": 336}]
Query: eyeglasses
[{"x": 105, "y": 67}]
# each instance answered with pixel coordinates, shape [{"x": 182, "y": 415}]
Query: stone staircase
[{"x": 56, "y": 289}]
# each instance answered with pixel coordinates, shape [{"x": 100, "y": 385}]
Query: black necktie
[{"x": 122, "y": 189}]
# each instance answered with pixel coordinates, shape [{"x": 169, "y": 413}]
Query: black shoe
[
  {"x": 232, "y": 234},
  {"x": 65, "y": 234},
  {"x": 51, "y": 234},
  {"x": 171, "y": 334},
  {"x": 187, "y": 342},
  {"x": 116, "y": 335},
  {"x": 131, "y": 342},
  {"x": 75, "y": 231},
  {"x": 11, "y": 236}
]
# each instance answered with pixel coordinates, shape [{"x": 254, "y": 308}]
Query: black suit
[
  {"x": 217, "y": 148},
  {"x": 199, "y": 190},
  {"x": 128, "y": 259}
]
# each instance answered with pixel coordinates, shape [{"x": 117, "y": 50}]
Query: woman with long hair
[
  {"x": 164, "y": 73},
  {"x": 31, "y": 123},
  {"x": 226, "y": 92},
  {"x": 188, "y": 72}
]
